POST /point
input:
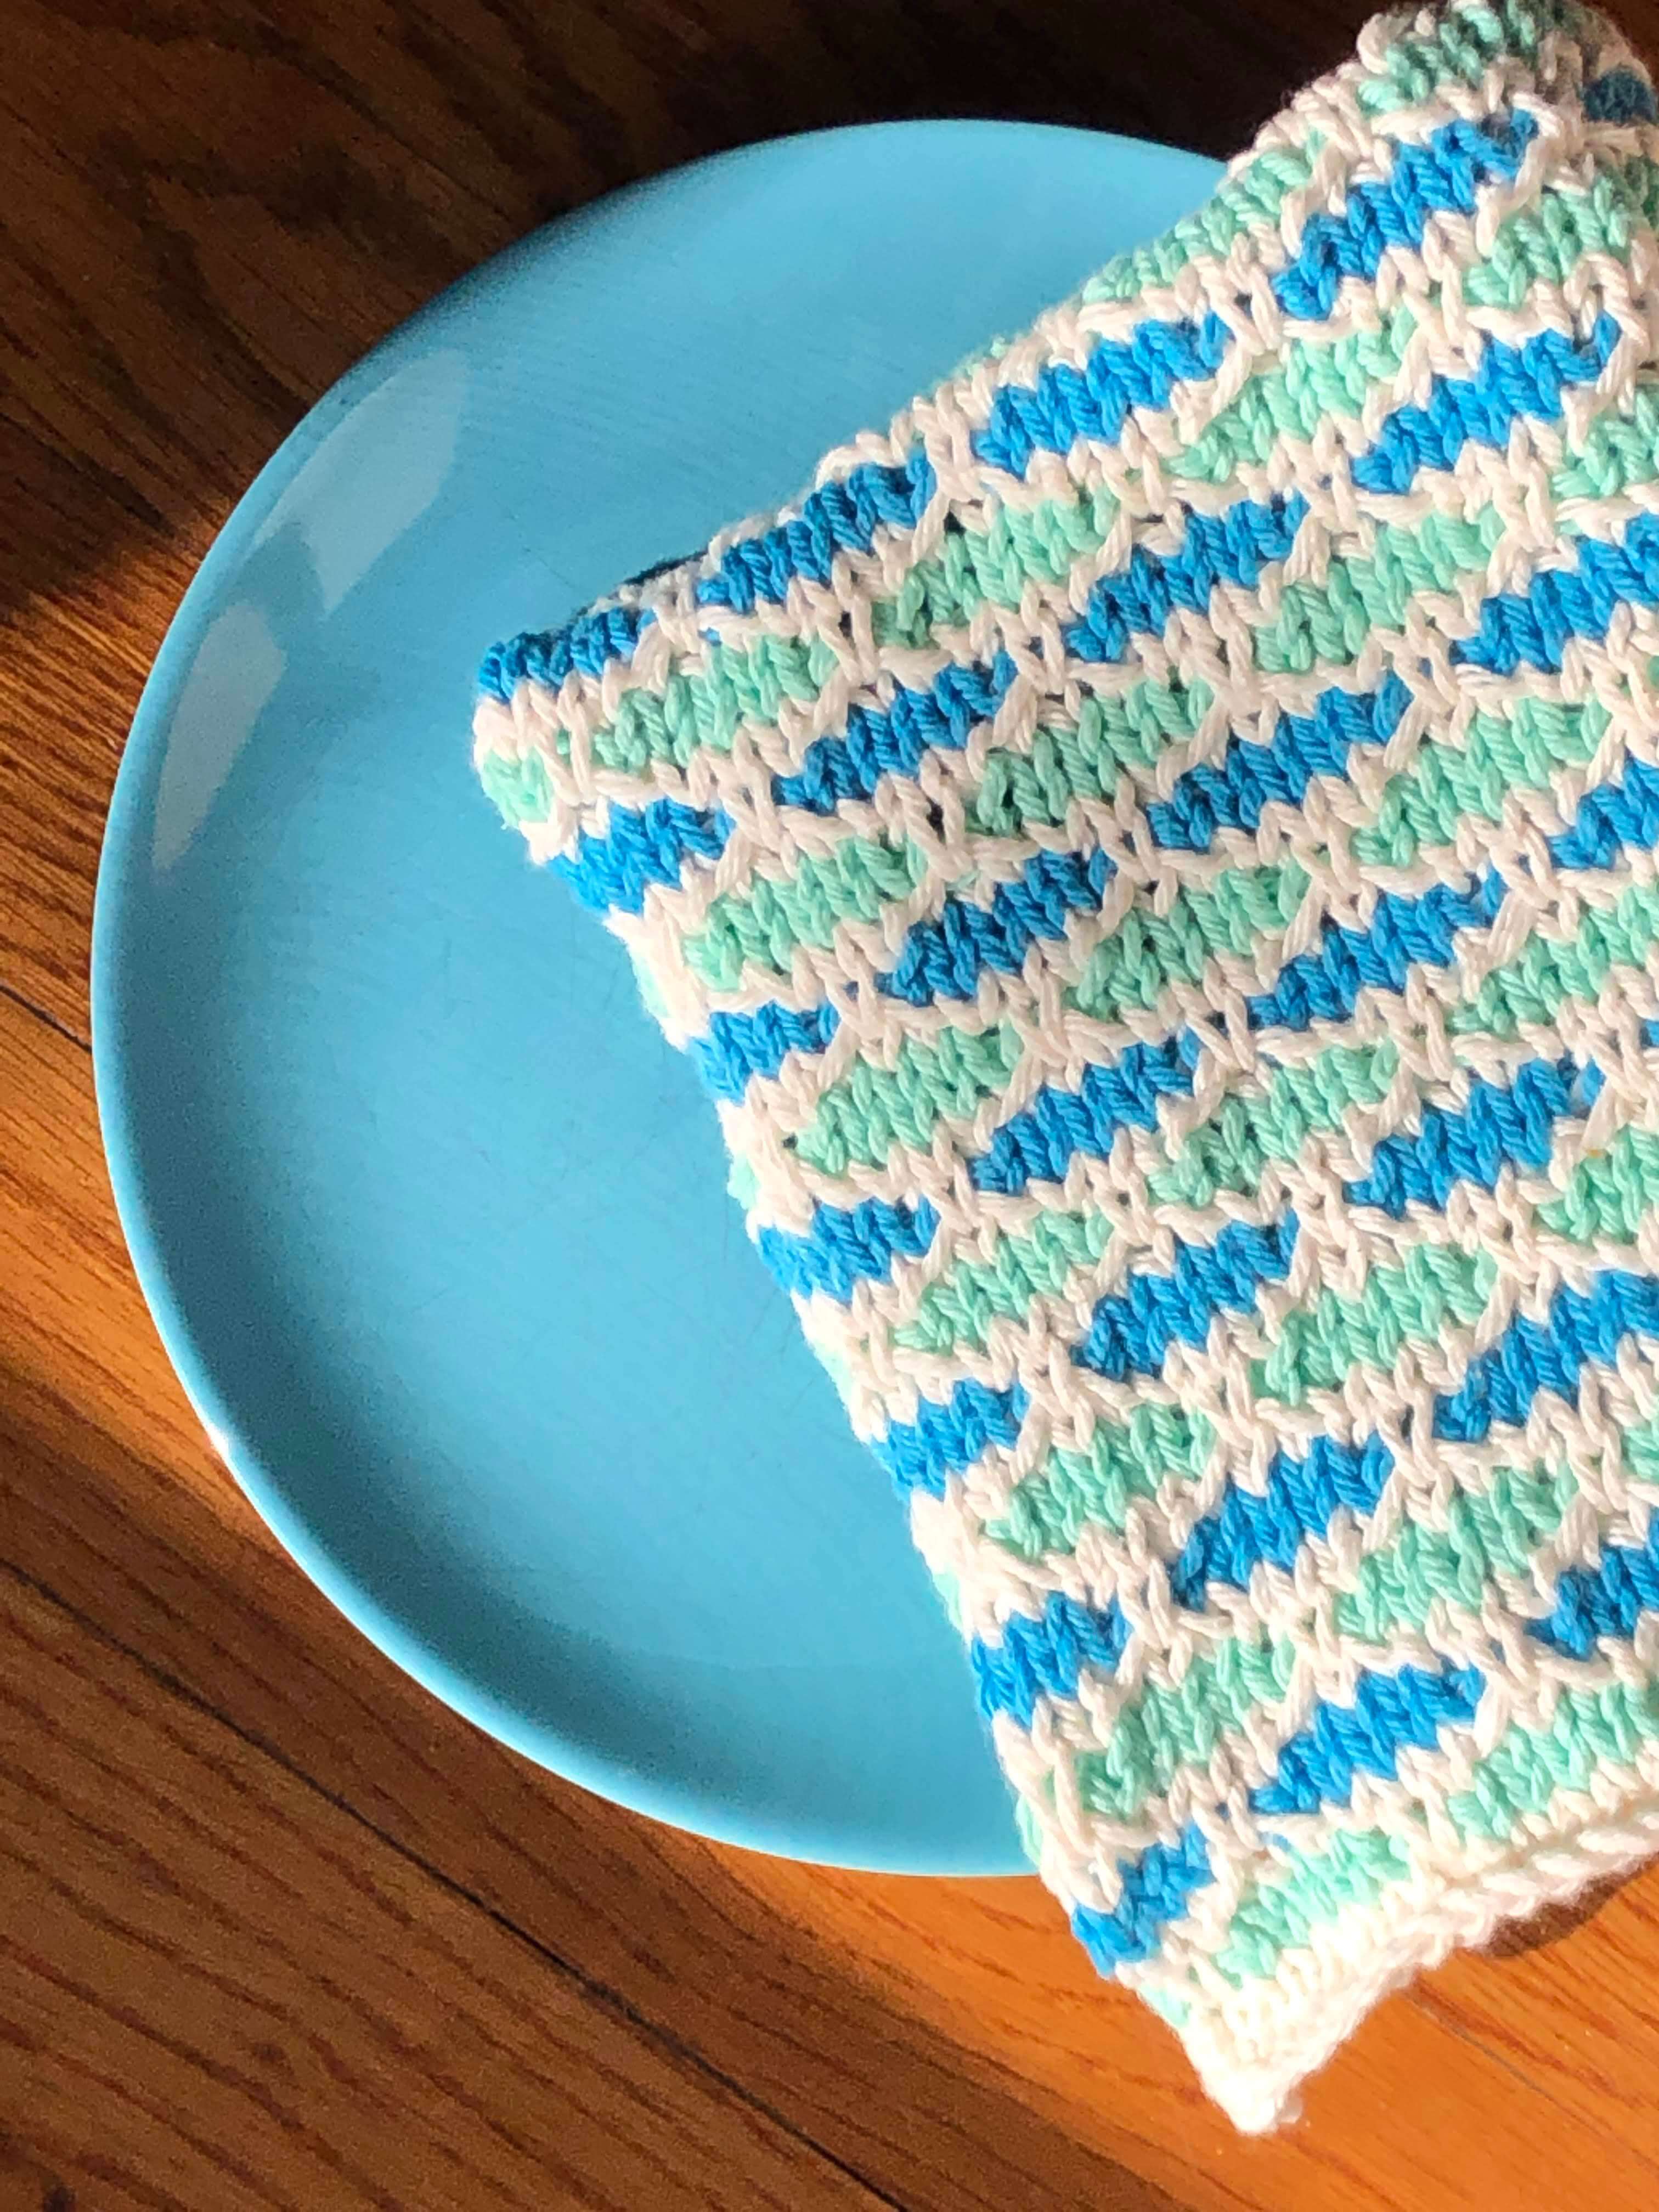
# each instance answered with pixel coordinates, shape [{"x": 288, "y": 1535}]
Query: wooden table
[{"x": 276, "y": 1929}]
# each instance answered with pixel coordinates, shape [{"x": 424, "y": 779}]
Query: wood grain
[
  {"x": 277, "y": 1929},
  {"x": 267, "y": 2005}
]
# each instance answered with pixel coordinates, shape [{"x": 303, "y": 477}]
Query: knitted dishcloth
[{"x": 1154, "y": 857}]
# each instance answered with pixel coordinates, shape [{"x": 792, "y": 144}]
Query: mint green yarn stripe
[
  {"x": 1028, "y": 1828},
  {"x": 1246, "y": 204},
  {"x": 1459, "y": 49},
  {"x": 975, "y": 568},
  {"x": 1533, "y": 988},
  {"x": 1496, "y": 1531},
  {"x": 1448, "y": 785},
  {"x": 1606, "y": 1197},
  {"x": 1308, "y": 380},
  {"x": 1312, "y": 378},
  {"x": 1125, "y": 1460},
  {"x": 1521, "y": 1776},
  {"x": 1131, "y": 968},
  {"x": 1433, "y": 555},
  {"x": 1352, "y": 1871},
  {"x": 1436, "y": 1287},
  {"x": 703, "y": 709},
  {"x": 1548, "y": 239},
  {"x": 1619, "y": 453},
  {"x": 1125, "y": 731},
  {"x": 955, "y": 1313},
  {"x": 705, "y": 706},
  {"x": 764, "y": 926},
  {"x": 1231, "y": 1150},
  {"x": 1518, "y": 1780},
  {"x": 1330, "y": 622},
  {"x": 1165, "y": 1729},
  {"x": 517, "y": 785},
  {"x": 860, "y": 1119},
  {"x": 1641, "y": 178},
  {"x": 1611, "y": 1194}
]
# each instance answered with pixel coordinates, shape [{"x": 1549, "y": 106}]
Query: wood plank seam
[{"x": 61, "y": 1028}]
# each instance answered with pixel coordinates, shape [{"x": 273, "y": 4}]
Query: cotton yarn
[{"x": 1153, "y": 856}]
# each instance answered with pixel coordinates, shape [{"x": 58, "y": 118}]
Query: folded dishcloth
[{"x": 1154, "y": 856}]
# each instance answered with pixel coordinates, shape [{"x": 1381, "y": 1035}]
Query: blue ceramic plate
[{"x": 431, "y": 1221}]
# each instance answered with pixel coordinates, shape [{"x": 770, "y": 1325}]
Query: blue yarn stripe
[
  {"x": 1531, "y": 628},
  {"x": 1247, "y": 1529},
  {"x": 738, "y": 1047},
  {"x": 1156, "y": 1887},
  {"x": 642, "y": 847},
  {"x": 1605, "y": 1600},
  {"x": 1323, "y": 984},
  {"x": 1584, "y": 1328},
  {"x": 1066, "y": 404},
  {"x": 1443, "y": 176},
  {"x": 1610, "y": 818},
  {"x": 845, "y": 1247},
  {"x": 1501, "y": 1125},
  {"x": 551, "y": 656},
  {"x": 1038, "y": 1143},
  {"x": 1320, "y": 984},
  {"x": 945, "y": 958},
  {"x": 1317, "y": 1766},
  {"x": 1511, "y": 384},
  {"x": 944, "y": 1440},
  {"x": 1046, "y": 1657},
  {"x": 896, "y": 740},
  {"x": 1234, "y": 793},
  {"x": 1233, "y": 547},
  {"x": 1132, "y": 1330},
  {"x": 840, "y": 517}
]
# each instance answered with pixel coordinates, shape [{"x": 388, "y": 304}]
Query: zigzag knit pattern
[{"x": 1154, "y": 855}]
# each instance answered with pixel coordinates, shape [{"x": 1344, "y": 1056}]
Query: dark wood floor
[{"x": 275, "y": 1928}]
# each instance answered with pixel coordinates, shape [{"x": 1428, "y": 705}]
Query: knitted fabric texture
[{"x": 1154, "y": 857}]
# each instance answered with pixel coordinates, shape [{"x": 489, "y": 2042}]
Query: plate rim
[{"x": 671, "y": 1800}]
